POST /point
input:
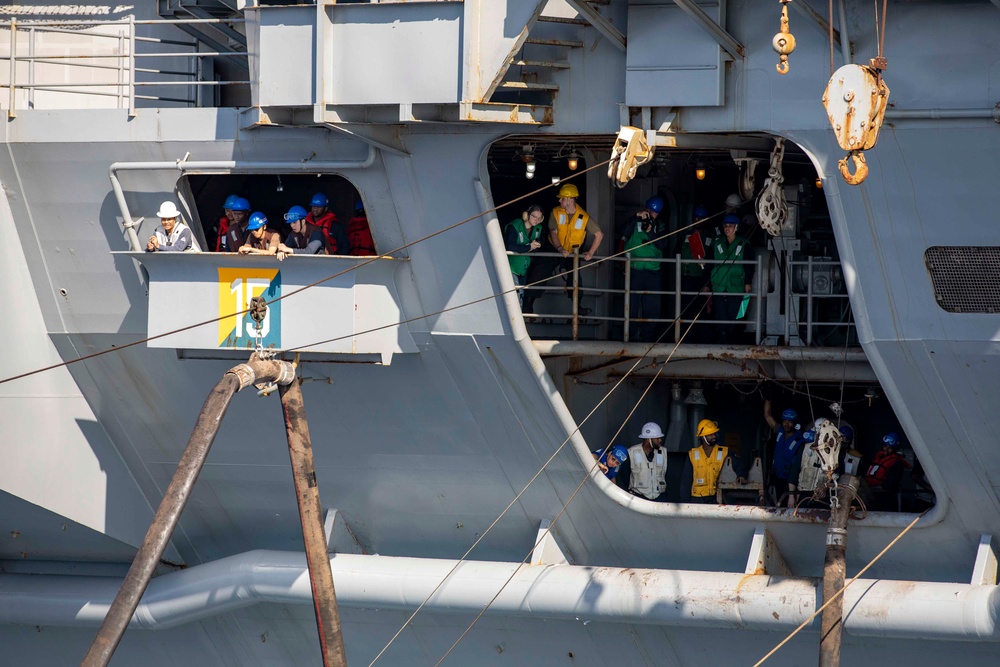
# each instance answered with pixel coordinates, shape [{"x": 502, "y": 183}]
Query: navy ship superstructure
[{"x": 432, "y": 401}]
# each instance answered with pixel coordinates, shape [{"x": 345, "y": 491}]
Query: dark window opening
[{"x": 273, "y": 195}]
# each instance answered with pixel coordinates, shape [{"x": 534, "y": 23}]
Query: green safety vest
[
  {"x": 519, "y": 263},
  {"x": 634, "y": 245},
  {"x": 729, "y": 277}
]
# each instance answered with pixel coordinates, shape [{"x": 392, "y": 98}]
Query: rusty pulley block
[
  {"x": 629, "y": 153},
  {"x": 784, "y": 42},
  {"x": 856, "y": 99}
]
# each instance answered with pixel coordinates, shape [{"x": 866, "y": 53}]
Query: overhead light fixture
[
  {"x": 700, "y": 171},
  {"x": 281, "y": 186},
  {"x": 555, "y": 180},
  {"x": 528, "y": 157},
  {"x": 573, "y": 161},
  {"x": 819, "y": 183}
]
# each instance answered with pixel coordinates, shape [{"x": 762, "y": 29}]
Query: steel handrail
[
  {"x": 124, "y": 61},
  {"x": 757, "y": 295}
]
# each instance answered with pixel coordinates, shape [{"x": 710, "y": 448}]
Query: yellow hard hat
[
  {"x": 707, "y": 427},
  {"x": 569, "y": 190}
]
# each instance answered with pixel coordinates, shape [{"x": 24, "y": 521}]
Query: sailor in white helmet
[
  {"x": 647, "y": 463},
  {"x": 171, "y": 235}
]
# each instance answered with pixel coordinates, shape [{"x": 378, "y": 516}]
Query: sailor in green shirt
[
  {"x": 732, "y": 277},
  {"x": 645, "y": 237},
  {"x": 522, "y": 235}
]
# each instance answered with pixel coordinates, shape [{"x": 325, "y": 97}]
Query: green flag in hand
[{"x": 743, "y": 307}]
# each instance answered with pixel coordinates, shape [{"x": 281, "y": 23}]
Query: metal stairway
[{"x": 526, "y": 87}]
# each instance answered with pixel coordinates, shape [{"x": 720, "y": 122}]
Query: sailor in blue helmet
[
  {"x": 260, "y": 240},
  {"x": 304, "y": 239},
  {"x": 321, "y": 216},
  {"x": 886, "y": 473},
  {"x": 644, "y": 238},
  {"x": 806, "y": 472},
  {"x": 610, "y": 461},
  {"x": 224, "y": 222},
  {"x": 731, "y": 279},
  {"x": 787, "y": 442},
  {"x": 236, "y": 234}
]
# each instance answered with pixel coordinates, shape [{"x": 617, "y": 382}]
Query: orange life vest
[{"x": 359, "y": 235}]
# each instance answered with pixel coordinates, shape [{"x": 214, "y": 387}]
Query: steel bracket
[
  {"x": 764, "y": 556},
  {"x": 547, "y": 549},
  {"x": 984, "y": 572},
  {"x": 340, "y": 539}
]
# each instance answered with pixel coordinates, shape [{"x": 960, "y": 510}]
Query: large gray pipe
[
  {"x": 874, "y": 608},
  {"x": 675, "y": 432}
]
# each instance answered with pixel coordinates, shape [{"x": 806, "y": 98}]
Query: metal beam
[
  {"x": 200, "y": 13},
  {"x": 818, "y": 18},
  {"x": 238, "y": 58},
  {"x": 384, "y": 138},
  {"x": 725, "y": 40},
  {"x": 596, "y": 19},
  {"x": 583, "y": 348}
]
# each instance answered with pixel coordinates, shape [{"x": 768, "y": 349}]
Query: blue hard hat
[
  {"x": 230, "y": 201},
  {"x": 655, "y": 204},
  {"x": 620, "y": 453},
  {"x": 319, "y": 199},
  {"x": 790, "y": 415},
  {"x": 809, "y": 436},
  {"x": 847, "y": 432},
  {"x": 700, "y": 212},
  {"x": 240, "y": 204},
  {"x": 257, "y": 220},
  {"x": 295, "y": 214},
  {"x": 891, "y": 439},
  {"x": 730, "y": 219},
  {"x": 359, "y": 206}
]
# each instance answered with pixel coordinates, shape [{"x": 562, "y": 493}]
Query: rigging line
[
  {"x": 355, "y": 267},
  {"x": 494, "y": 295},
  {"x": 881, "y": 39},
  {"x": 523, "y": 490},
  {"x": 843, "y": 377},
  {"x": 831, "y": 36},
  {"x": 572, "y": 496},
  {"x": 841, "y": 591},
  {"x": 575, "y": 431}
]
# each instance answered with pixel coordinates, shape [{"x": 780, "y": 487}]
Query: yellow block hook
[{"x": 860, "y": 168}]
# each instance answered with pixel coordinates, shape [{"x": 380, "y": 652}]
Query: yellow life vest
[
  {"x": 706, "y": 470},
  {"x": 571, "y": 229}
]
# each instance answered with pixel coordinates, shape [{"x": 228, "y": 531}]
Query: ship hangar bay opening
[{"x": 791, "y": 340}]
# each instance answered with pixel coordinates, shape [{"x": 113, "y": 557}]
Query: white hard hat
[
  {"x": 651, "y": 430},
  {"x": 733, "y": 200},
  {"x": 168, "y": 210}
]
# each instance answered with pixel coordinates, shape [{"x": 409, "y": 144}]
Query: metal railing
[
  {"x": 800, "y": 305},
  {"x": 799, "y": 312},
  {"x": 123, "y": 62}
]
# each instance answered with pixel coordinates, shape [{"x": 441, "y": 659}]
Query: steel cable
[{"x": 298, "y": 290}]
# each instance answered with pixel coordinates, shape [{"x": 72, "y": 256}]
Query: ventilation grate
[{"x": 966, "y": 279}]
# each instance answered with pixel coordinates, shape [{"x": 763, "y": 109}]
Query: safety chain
[
  {"x": 258, "y": 313},
  {"x": 772, "y": 209},
  {"x": 831, "y": 485},
  {"x": 784, "y": 42}
]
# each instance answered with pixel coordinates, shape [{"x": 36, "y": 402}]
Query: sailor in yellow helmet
[
  {"x": 569, "y": 225},
  {"x": 701, "y": 472}
]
